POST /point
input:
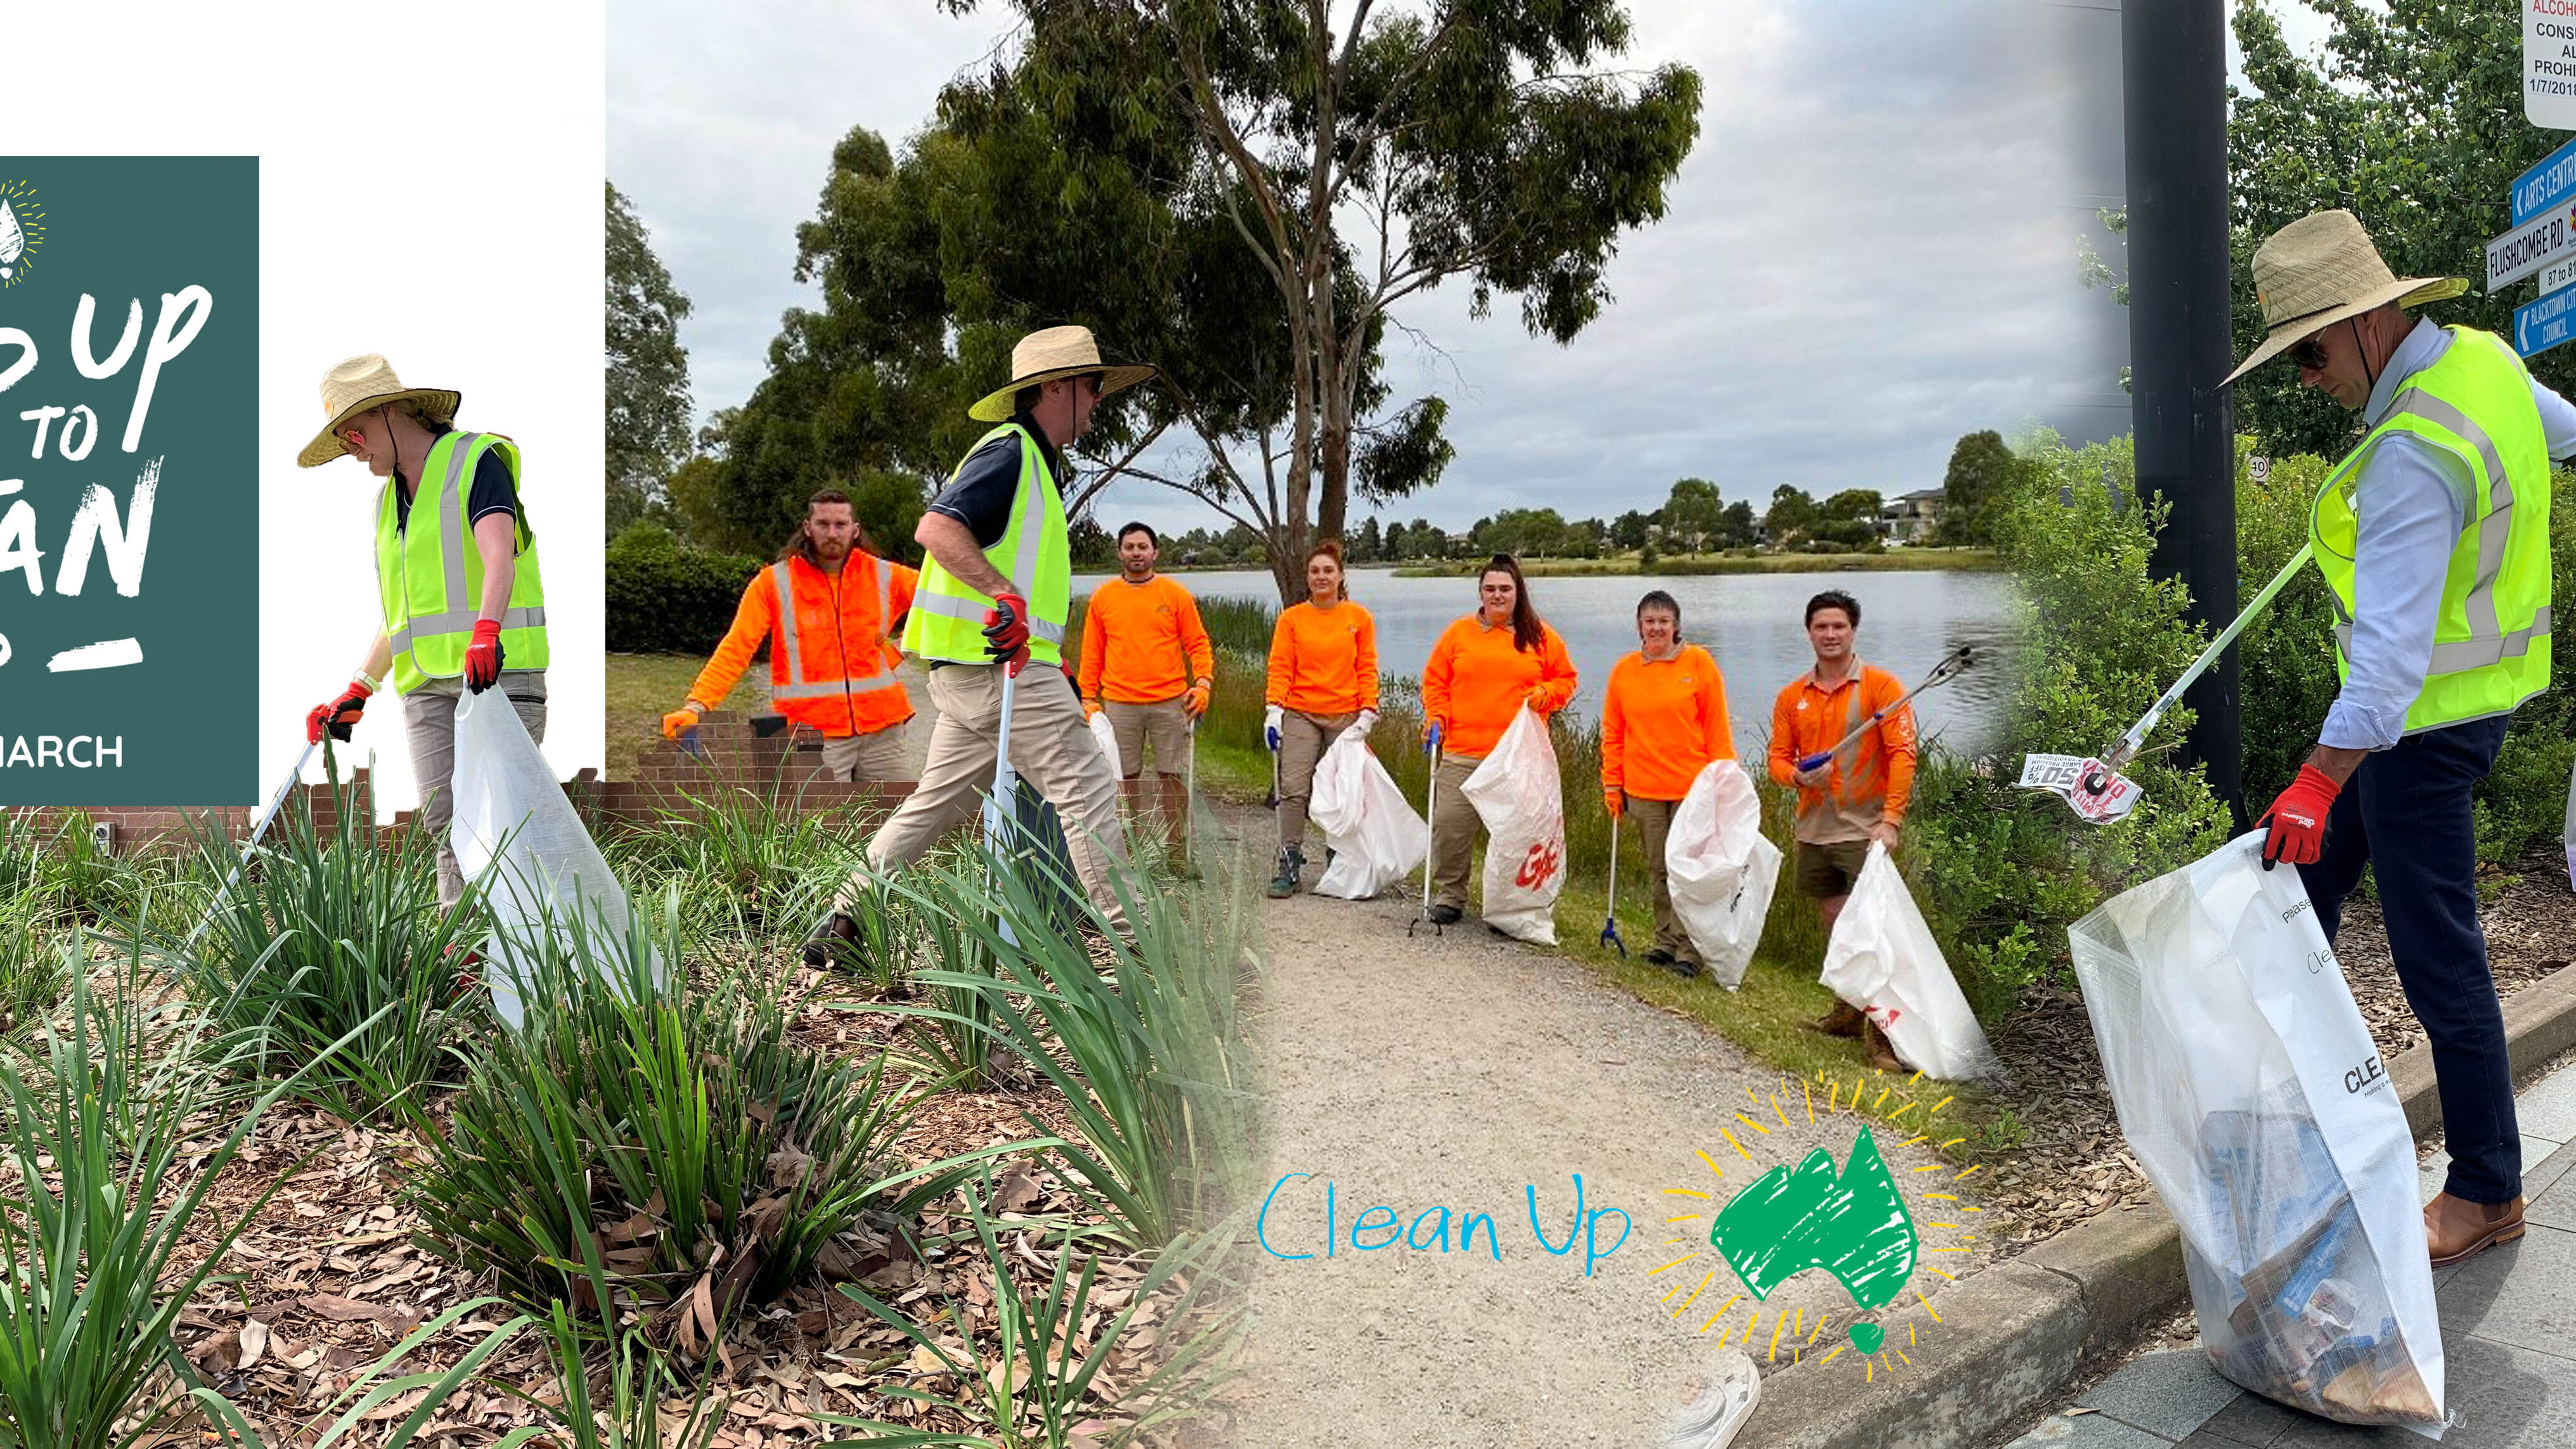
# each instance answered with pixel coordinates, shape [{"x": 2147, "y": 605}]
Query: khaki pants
[
  {"x": 1166, "y": 726},
  {"x": 1303, "y": 738},
  {"x": 429, "y": 726},
  {"x": 1654, "y": 822},
  {"x": 876, "y": 755},
  {"x": 1051, "y": 747},
  {"x": 1455, "y": 826}
]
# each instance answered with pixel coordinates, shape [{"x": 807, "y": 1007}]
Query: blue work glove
[{"x": 1431, "y": 737}]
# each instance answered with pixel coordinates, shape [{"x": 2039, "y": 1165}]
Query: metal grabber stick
[
  {"x": 1942, "y": 673},
  {"x": 1430, "y": 812},
  {"x": 258, "y": 828},
  {"x": 1006, "y": 783},
  {"x": 1610, "y": 917},
  {"x": 2097, "y": 781}
]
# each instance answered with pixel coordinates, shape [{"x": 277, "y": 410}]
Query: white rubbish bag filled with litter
[
  {"x": 1108, "y": 740},
  {"x": 1519, "y": 796},
  {"x": 1883, "y": 960},
  {"x": 2253, "y": 1098},
  {"x": 513, "y": 820},
  {"x": 1375, "y": 836},
  {"x": 1721, "y": 870}
]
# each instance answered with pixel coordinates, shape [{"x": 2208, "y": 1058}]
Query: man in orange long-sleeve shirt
[
  {"x": 1859, "y": 795},
  {"x": 830, "y": 612},
  {"x": 1139, "y": 632}
]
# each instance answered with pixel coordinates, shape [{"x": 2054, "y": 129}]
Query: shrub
[
  {"x": 31, "y": 962},
  {"x": 664, "y": 597}
]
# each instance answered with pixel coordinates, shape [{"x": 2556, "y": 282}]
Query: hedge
[{"x": 665, "y": 598}]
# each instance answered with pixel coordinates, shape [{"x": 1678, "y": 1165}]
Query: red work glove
[
  {"x": 2297, "y": 819},
  {"x": 338, "y": 717},
  {"x": 1196, "y": 701},
  {"x": 483, "y": 656},
  {"x": 1614, "y": 800},
  {"x": 1006, "y": 631}
]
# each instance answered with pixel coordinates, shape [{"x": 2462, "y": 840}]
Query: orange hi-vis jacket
[
  {"x": 832, "y": 654},
  {"x": 1476, "y": 681},
  {"x": 1871, "y": 778},
  {"x": 1323, "y": 661},
  {"x": 1138, "y": 639},
  {"x": 1662, "y": 721}
]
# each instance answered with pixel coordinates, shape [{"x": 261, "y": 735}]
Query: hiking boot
[
  {"x": 837, "y": 937},
  {"x": 1843, "y": 1020},
  {"x": 1882, "y": 1053},
  {"x": 2457, "y": 1229},
  {"x": 1445, "y": 914},
  {"x": 1684, "y": 968},
  {"x": 1292, "y": 861},
  {"x": 1658, "y": 956}
]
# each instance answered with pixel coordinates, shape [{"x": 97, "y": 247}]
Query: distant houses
[{"x": 1910, "y": 517}]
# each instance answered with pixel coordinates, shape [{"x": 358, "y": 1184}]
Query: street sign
[
  {"x": 2542, "y": 325},
  {"x": 2545, "y": 185},
  {"x": 2532, "y": 245},
  {"x": 2556, "y": 275},
  {"x": 2549, "y": 63}
]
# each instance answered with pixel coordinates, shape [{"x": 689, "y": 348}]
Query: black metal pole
[{"x": 2174, "y": 110}]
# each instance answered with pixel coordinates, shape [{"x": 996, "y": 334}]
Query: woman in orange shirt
[
  {"x": 1323, "y": 680},
  {"x": 1483, "y": 669},
  {"x": 1663, "y": 720}
]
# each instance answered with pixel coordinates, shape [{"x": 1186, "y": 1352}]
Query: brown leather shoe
[
  {"x": 2457, "y": 1229},
  {"x": 1882, "y": 1052},
  {"x": 1843, "y": 1020}
]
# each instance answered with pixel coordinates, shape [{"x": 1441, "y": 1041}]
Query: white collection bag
[
  {"x": 2251, "y": 1093},
  {"x": 510, "y": 810},
  {"x": 1107, "y": 739},
  {"x": 1375, "y": 836},
  {"x": 1883, "y": 960},
  {"x": 2571, "y": 830},
  {"x": 1721, "y": 871},
  {"x": 1518, "y": 794}
]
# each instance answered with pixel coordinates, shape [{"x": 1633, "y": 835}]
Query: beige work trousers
[
  {"x": 876, "y": 755},
  {"x": 1165, "y": 726},
  {"x": 1654, "y": 822},
  {"x": 1455, "y": 827},
  {"x": 1303, "y": 738},
  {"x": 1051, "y": 746},
  {"x": 429, "y": 727}
]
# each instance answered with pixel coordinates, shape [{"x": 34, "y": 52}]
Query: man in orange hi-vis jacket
[
  {"x": 1139, "y": 632},
  {"x": 1857, "y": 796},
  {"x": 830, "y": 612}
]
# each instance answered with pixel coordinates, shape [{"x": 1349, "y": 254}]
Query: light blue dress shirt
[{"x": 2413, "y": 501}]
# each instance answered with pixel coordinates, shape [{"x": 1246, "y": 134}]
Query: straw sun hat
[
  {"x": 1052, "y": 353},
  {"x": 2319, "y": 270},
  {"x": 362, "y": 383}
]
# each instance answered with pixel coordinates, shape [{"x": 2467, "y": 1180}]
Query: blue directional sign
[
  {"x": 2542, "y": 325},
  {"x": 2545, "y": 185}
]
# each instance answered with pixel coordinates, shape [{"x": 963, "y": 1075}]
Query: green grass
[{"x": 644, "y": 687}]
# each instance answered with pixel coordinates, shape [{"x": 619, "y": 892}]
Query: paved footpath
[{"x": 2508, "y": 1339}]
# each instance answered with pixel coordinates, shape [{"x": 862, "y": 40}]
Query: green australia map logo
[{"x": 1852, "y": 1223}]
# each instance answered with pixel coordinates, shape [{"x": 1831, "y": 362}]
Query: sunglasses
[{"x": 2309, "y": 353}]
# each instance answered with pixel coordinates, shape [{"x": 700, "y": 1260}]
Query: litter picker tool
[
  {"x": 258, "y": 828},
  {"x": 1942, "y": 673},
  {"x": 1610, "y": 917},
  {"x": 1006, "y": 784},
  {"x": 1430, "y": 812},
  {"x": 2095, "y": 787}
]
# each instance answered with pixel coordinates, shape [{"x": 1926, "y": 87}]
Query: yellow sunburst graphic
[
  {"x": 22, "y": 230},
  {"x": 1748, "y": 1143}
]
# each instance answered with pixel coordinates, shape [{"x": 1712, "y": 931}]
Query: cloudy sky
[{"x": 1870, "y": 251}]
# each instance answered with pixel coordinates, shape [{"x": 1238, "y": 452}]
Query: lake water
[{"x": 1753, "y": 623}]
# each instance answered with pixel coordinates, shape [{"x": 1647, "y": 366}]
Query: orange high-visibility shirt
[
  {"x": 1872, "y": 776},
  {"x": 1323, "y": 661},
  {"x": 1142, "y": 643},
  {"x": 1476, "y": 681},
  {"x": 832, "y": 654},
  {"x": 1662, "y": 721}
]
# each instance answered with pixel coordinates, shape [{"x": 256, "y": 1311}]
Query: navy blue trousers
[{"x": 2405, "y": 813}]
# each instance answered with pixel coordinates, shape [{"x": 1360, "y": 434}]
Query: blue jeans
[{"x": 2405, "y": 813}]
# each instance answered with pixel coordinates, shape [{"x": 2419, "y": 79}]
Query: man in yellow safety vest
[
  {"x": 2433, "y": 536},
  {"x": 461, "y": 605}
]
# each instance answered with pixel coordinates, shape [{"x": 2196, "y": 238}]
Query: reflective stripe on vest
[
  {"x": 791, "y": 656},
  {"x": 2491, "y": 640},
  {"x": 947, "y": 617},
  {"x": 429, "y": 641}
]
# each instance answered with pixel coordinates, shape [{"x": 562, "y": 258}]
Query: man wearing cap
[
  {"x": 459, "y": 599},
  {"x": 2433, "y": 536},
  {"x": 829, "y": 611},
  {"x": 993, "y": 597}
]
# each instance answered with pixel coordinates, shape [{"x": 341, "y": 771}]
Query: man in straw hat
[
  {"x": 2433, "y": 536},
  {"x": 462, "y": 608},
  {"x": 992, "y": 598}
]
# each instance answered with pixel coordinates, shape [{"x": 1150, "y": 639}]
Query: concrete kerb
[{"x": 2013, "y": 1337}]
